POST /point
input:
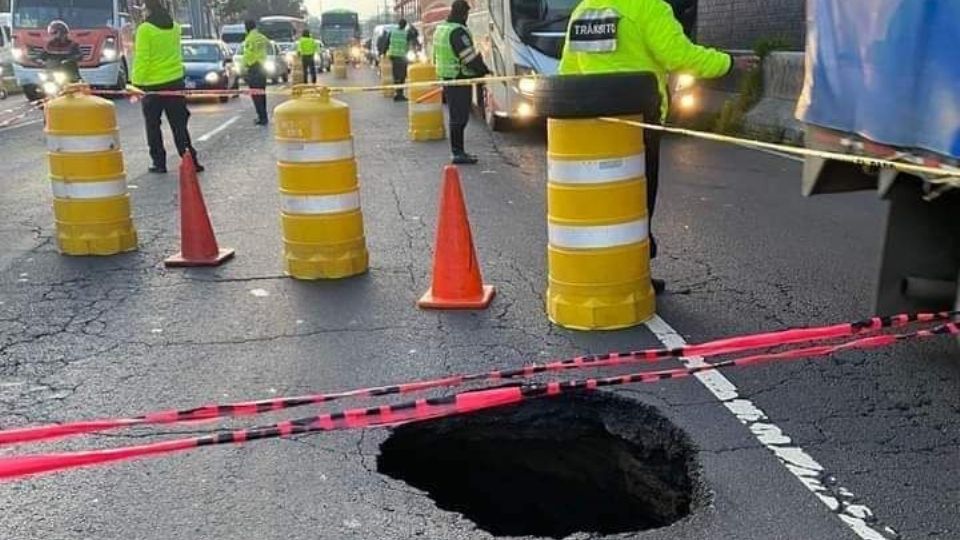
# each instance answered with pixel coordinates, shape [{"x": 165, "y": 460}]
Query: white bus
[{"x": 517, "y": 37}]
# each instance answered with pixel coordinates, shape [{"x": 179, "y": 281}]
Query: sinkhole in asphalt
[{"x": 593, "y": 462}]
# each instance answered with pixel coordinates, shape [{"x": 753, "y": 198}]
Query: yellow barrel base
[
  {"x": 428, "y": 134},
  {"x": 601, "y": 313},
  {"x": 88, "y": 240},
  {"x": 309, "y": 263}
]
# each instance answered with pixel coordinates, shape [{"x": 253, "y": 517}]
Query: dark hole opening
[{"x": 594, "y": 463}]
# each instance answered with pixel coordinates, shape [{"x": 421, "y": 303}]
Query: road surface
[{"x": 741, "y": 249}]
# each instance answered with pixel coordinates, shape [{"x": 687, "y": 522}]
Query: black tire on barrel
[{"x": 590, "y": 96}]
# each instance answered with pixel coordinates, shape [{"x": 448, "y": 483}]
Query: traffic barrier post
[
  {"x": 599, "y": 248},
  {"x": 323, "y": 234},
  {"x": 339, "y": 65},
  {"x": 425, "y": 105},
  {"x": 91, "y": 204},
  {"x": 386, "y": 75}
]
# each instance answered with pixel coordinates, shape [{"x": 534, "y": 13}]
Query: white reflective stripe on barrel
[
  {"x": 89, "y": 190},
  {"x": 425, "y": 107},
  {"x": 595, "y": 171},
  {"x": 321, "y": 204},
  {"x": 313, "y": 152},
  {"x": 78, "y": 144},
  {"x": 597, "y": 236}
]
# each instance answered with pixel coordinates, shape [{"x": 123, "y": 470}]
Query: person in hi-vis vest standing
[
  {"x": 158, "y": 67},
  {"x": 307, "y": 49},
  {"x": 456, "y": 58},
  {"x": 398, "y": 46},
  {"x": 631, "y": 36}
]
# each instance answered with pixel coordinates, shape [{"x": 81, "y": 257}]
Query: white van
[
  {"x": 233, "y": 35},
  {"x": 6, "y": 54}
]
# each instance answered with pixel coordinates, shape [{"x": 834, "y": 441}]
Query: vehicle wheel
[
  {"x": 586, "y": 96},
  {"x": 286, "y": 78},
  {"x": 122, "y": 80},
  {"x": 3, "y": 92},
  {"x": 32, "y": 92},
  {"x": 496, "y": 123},
  {"x": 224, "y": 99}
]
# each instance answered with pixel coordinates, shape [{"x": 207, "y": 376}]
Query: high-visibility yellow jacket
[
  {"x": 255, "y": 47},
  {"x": 616, "y": 36},
  {"x": 157, "y": 56},
  {"x": 306, "y": 46}
]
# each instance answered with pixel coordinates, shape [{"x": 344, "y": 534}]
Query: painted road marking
[
  {"x": 808, "y": 471},
  {"x": 21, "y": 124},
  {"x": 217, "y": 130}
]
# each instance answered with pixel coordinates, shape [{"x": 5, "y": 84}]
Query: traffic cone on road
[
  {"x": 198, "y": 245},
  {"x": 456, "y": 273}
]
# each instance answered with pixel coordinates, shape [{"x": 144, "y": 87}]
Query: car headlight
[
  {"x": 291, "y": 57},
  {"x": 355, "y": 52},
  {"x": 42, "y": 76},
  {"x": 685, "y": 80},
  {"x": 50, "y": 88},
  {"x": 212, "y": 77},
  {"x": 270, "y": 66},
  {"x": 60, "y": 77},
  {"x": 109, "y": 52},
  {"x": 411, "y": 56},
  {"x": 525, "y": 110},
  {"x": 527, "y": 85},
  {"x": 18, "y": 54},
  {"x": 688, "y": 102}
]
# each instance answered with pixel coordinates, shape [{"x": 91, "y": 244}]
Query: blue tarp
[{"x": 888, "y": 70}]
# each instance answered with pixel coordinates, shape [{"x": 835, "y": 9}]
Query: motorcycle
[{"x": 57, "y": 74}]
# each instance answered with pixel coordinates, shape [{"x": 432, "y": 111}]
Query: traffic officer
[
  {"x": 255, "y": 47},
  {"x": 158, "y": 67},
  {"x": 307, "y": 49},
  {"x": 620, "y": 36},
  {"x": 456, "y": 58},
  {"x": 398, "y": 47}
]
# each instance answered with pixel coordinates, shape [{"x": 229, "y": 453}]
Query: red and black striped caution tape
[{"x": 460, "y": 403}]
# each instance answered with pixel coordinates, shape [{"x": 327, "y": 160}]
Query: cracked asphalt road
[{"x": 742, "y": 251}]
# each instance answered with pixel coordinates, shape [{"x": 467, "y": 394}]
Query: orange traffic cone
[
  {"x": 456, "y": 273},
  {"x": 197, "y": 243}
]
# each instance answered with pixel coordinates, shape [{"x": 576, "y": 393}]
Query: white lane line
[
  {"x": 21, "y": 124},
  {"x": 808, "y": 471},
  {"x": 217, "y": 130}
]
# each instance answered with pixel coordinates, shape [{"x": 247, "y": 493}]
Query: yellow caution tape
[{"x": 934, "y": 175}]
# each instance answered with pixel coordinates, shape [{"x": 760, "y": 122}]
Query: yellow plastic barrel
[
  {"x": 339, "y": 65},
  {"x": 91, "y": 204},
  {"x": 386, "y": 75},
  {"x": 599, "y": 249},
  {"x": 297, "y": 76},
  {"x": 425, "y": 108},
  {"x": 322, "y": 222}
]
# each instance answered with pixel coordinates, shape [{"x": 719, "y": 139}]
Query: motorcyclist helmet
[{"x": 58, "y": 29}]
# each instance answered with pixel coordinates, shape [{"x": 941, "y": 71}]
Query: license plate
[{"x": 190, "y": 85}]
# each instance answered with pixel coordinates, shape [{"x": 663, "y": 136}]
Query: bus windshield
[
  {"x": 542, "y": 24},
  {"x": 76, "y": 13},
  {"x": 281, "y": 31},
  {"x": 339, "y": 28}
]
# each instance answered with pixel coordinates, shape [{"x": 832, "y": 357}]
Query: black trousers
[
  {"x": 257, "y": 80},
  {"x": 175, "y": 109},
  {"x": 399, "y": 71},
  {"x": 651, "y": 142},
  {"x": 309, "y": 67},
  {"x": 459, "y": 99}
]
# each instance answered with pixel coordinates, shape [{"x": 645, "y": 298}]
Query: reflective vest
[
  {"x": 255, "y": 47},
  {"x": 306, "y": 46},
  {"x": 617, "y": 36},
  {"x": 157, "y": 58},
  {"x": 399, "y": 42},
  {"x": 448, "y": 63}
]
